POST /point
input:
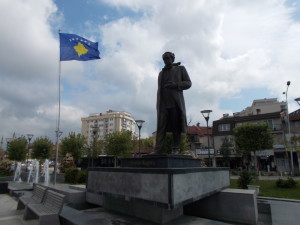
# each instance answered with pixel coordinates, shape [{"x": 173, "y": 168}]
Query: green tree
[
  {"x": 168, "y": 143},
  {"x": 147, "y": 142},
  {"x": 41, "y": 148},
  {"x": 17, "y": 149},
  {"x": 225, "y": 150},
  {"x": 119, "y": 143},
  {"x": 252, "y": 137},
  {"x": 73, "y": 144},
  {"x": 95, "y": 149}
]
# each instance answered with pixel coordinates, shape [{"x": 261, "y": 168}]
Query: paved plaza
[{"x": 283, "y": 212}]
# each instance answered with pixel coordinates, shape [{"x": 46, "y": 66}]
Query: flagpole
[{"x": 58, "y": 132}]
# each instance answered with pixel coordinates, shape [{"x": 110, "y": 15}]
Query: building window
[
  {"x": 224, "y": 127},
  {"x": 270, "y": 123}
]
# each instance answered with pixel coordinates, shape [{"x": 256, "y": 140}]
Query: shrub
[
  {"x": 81, "y": 176},
  {"x": 71, "y": 175},
  {"x": 6, "y": 167},
  {"x": 289, "y": 183},
  {"x": 280, "y": 183},
  {"x": 244, "y": 179}
]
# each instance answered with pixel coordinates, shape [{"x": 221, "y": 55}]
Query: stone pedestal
[
  {"x": 230, "y": 205},
  {"x": 155, "y": 194},
  {"x": 161, "y": 161}
]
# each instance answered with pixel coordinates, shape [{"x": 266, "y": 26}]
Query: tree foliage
[
  {"x": 225, "y": 150},
  {"x": 147, "y": 142},
  {"x": 253, "y": 137},
  {"x": 17, "y": 149},
  {"x": 95, "y": 149},
  {"x": 73, "y": 144},
  {"x": 168, "y": 143},
  {"x": 119, "y": 143},
  {"x": 41, "y": 148}
]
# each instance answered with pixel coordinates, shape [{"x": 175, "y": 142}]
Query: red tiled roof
[
  {"x": 295, "y": 115},
  {"x": 199, "y": 130}
]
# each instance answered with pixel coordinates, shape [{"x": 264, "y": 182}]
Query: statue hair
[{"x": 171, "y": 54}]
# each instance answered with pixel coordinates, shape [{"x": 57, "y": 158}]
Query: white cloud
[{"x": 226, "y": 46}]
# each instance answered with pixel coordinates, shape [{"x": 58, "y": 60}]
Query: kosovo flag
[{"x": 74, "y": 47}]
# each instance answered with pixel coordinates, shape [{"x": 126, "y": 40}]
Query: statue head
[{"x": 168, "y": 58}]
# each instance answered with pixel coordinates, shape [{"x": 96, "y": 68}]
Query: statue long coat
[{"x": 181, "y": 77}]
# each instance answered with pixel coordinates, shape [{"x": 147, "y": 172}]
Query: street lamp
[
  {"x": 58, "y": 134},
  {"x": 7, "y": 142},
  {"x": 297, "y": 100},
  {"x": 205, "y": 114},
  {"x": 289, "y": 126},
  {"x": 139, "y": 124},
  {"x": 95, "y": 131},
  {"x": 29, "y": 136}
]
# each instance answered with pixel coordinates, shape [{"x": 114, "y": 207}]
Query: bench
[
  {"x": 37, "y": 196},
  {"x": 48, "y": 210}
]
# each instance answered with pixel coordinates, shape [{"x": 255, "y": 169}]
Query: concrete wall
[
  {"x": 231, "y": 205},
  {"x": 168, "y": 188}
]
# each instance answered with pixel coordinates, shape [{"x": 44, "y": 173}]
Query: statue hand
[{"x": 171, "y": 85}]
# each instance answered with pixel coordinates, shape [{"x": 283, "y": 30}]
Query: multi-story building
[
  {"x": 273, "y": 113},
  {"x": 201, "y": 140},
  {"x": 106, "y": 123},
  {"x": 263, "y": 106}
]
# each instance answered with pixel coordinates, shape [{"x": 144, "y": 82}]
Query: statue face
[{"x": 168, "y": 60}]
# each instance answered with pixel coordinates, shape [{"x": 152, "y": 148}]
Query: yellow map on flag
[{"x": 80, "y": 49}]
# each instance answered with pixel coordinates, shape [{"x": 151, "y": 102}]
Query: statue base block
[
  {"x": 161, "y": 161},
  {"x": 155, "y": 194}
]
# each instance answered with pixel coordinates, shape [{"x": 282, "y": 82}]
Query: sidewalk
[
  {"x": 10, "y": 216},
  {"x": 283, "y": 211},
  {"x": 297, "y": 178},
  {"x": 8, "y": 213}
]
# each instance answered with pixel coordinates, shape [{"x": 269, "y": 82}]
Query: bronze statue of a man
[{"x": 171, "y": 116}]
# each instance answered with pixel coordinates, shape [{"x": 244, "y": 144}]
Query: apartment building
[
  {"x": 200, "y": 137},
  {"x": 264, "y": 110},
  {"x": 263, "y": 106},
  {"x": 102, "y": 124}
]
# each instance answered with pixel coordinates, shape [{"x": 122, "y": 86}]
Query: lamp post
[
  {"x": 205, "y": 114},
  {"x": 139, "y": 124},
  {"x": 58, "y": 134},
  {"x": 289, "y": 126},
  {"x": 297, "y": 100},
  {"x": 29, "y": 136},
  {"x": 95, "y": 131},
  {"x": 7, "y": 142}
]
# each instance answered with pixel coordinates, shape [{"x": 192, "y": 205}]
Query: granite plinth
[
  {"x": 167, "y": 188},
  {"x": 161, "y": 161},
  {"x": 231, "y": 205},
  {"x": 162, "y": 191}
]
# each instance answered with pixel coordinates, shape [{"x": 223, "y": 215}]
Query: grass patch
[{"x": 268, "y": 188}]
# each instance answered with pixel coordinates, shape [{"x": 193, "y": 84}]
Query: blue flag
[{"x": 74, "y": 47}]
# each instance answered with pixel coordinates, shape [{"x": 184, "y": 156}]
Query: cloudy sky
[{"x": 234, "y": 51}]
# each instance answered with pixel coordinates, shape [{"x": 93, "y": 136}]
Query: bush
[
  {"x": 81, "y": 176},
  {"x": 67, "y": 162},
  {"x": 71, "y": 175},
  {"x": 289, "y": 183},
  {"x": 75, "y": 176},
  {"x": 6, "y": 167},
  {"x": 244, "y": 179}
]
